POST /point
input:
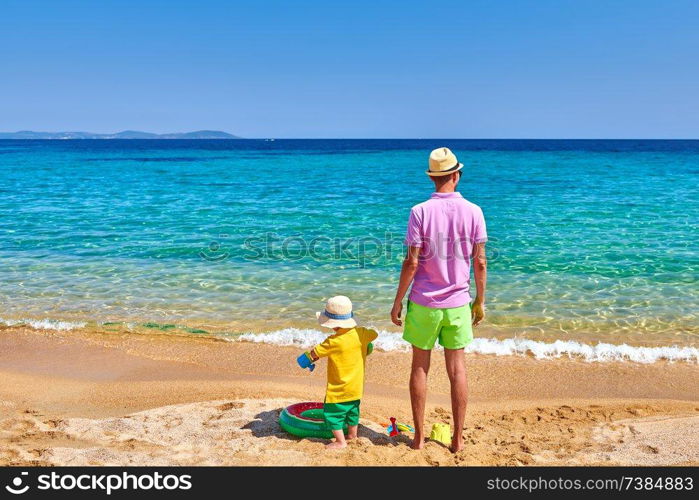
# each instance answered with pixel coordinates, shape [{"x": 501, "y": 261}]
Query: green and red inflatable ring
[{"x": 305, "y": 420}]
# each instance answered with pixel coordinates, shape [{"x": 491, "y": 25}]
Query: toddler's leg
[
  {"x": 334, "y": 414},
  {"x": 352, "y": 419},
  {"x": 339, "y": 441}
]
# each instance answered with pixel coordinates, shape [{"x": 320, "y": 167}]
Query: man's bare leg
[
  {"x": 456, "y": 369},
  {"x": 418, "y": 393}
]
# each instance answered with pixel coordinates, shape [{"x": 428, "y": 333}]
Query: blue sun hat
[{"x": 337, "y": 314}]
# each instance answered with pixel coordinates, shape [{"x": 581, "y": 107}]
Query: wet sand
[{"x": 118, "y": 398}]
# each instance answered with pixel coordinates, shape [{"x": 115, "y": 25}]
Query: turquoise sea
[{"x": 589, "y": 240}]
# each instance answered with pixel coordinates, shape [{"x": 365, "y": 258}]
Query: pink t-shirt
[{"x": 445, "y": 227}]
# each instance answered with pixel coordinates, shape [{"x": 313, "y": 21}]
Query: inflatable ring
[{"x": 305, "y": 420}]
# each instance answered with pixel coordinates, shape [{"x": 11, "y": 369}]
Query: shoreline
[
  {"x": 487, "y": 342},
  {"x": 74, "y": 398}
]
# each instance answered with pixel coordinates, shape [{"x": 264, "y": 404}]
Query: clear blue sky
[{"x": 491, "y": 68}]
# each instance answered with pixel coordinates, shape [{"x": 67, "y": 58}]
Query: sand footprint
[{"x": 17, "y": 426}]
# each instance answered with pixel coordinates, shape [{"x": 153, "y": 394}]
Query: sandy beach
[{"x": 98, "y": 398}]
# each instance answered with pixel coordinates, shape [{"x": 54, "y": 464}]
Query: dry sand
[{"x": 94, "y": 398}]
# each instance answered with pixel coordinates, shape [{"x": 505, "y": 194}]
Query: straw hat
[
  {"x": 338, "y": 313},
  {"x": 443, "y": 162}
]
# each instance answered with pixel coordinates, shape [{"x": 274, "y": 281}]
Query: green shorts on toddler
[{"x": 337, "y": 415}]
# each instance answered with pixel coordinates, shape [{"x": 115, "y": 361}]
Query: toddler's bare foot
[
  {"x": 335, "y": 445},
  {"x": 456, "y": 445}
]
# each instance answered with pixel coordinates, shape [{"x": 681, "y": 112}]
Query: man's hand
[
  {"x": 480, "y": 273},
  {"x": 396, "y": 312},
  {"x": 477, "y": 313},
  {"x": 407, "y": 274}
]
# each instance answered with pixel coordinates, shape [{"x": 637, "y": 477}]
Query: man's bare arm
[
  {"x": 480, "y": 275},
  {"x": 407, "y": 274}
]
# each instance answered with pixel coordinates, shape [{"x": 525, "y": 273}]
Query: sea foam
[
  {"x": 44, "y": 324},
  {"x": 601, "y": 352},
  {"x": 391, "y": 341}
]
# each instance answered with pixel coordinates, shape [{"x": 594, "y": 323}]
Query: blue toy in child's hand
[{"x": 304, "y": 361}]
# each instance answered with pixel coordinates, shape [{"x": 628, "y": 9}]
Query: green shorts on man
[{"x": 425, "y": 325}]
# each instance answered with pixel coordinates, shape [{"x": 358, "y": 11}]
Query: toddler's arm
[
  {"x": 308, "y": 358},
  {"x": 368, "y": 335}
]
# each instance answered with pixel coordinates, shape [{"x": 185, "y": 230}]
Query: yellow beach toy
[{"x": 441, "y": 433}]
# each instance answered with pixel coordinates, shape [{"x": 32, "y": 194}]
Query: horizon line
[{"x": 265, "y": 138}]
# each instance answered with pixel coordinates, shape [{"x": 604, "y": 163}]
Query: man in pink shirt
[{"x": 444, "y": 234}]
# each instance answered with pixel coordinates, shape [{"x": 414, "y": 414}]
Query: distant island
[{"x": 126, "y": 134}]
